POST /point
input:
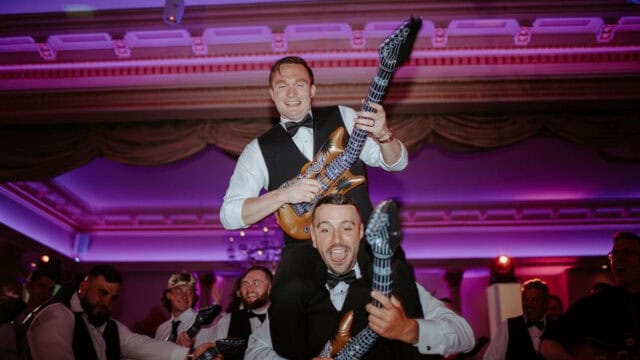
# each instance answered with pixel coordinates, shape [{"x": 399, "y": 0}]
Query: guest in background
[
  {"x": 38, "y": 289},
  {"x": 82, "y": 328},
  {"x": 518, "y": 338},
  {"x": 605, "y": 324},
  {"x": 40, "y": 286},
  {"x": 253, "y": 292},
  {"x": 555, "y": 309},
  {"x": 599, "y": 286},
  {"x": 179, "y": 298}
]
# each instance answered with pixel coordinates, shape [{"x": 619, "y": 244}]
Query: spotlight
[
  {"x": 502, "y": 270},
  {"x": 173, "y": 11}
]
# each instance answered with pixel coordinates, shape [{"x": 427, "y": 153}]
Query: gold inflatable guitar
[{"x": 330, "y": 166}]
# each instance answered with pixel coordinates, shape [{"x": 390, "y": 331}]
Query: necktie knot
[
  {"x": 538, "y": 324},
  {"x": 293, "y": 126},
  {"x": 333, "y": 279},
  {"x": 174, "y": 331},
  {"x": 260, "y": 317}
]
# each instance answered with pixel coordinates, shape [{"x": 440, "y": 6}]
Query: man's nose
[{"x": 336, "y": 238}]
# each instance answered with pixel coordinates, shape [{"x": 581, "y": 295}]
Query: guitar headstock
[
  {"x": 395, "y": 49},
  {"x": 208, "y": 314},
  {"x": 205, "y": 316},
  {"x": 383, "y": 229}
]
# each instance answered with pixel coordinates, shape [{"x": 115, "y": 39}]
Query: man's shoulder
[
  {"x": 607, "y": 297},
  {"x": 516, "y": 318},
  {"x": 164, "y": 324},
  {"x": 56, "y": 314}
]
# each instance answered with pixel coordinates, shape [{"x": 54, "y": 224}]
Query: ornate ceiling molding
[
  {"x": 57, "y": 204},
  {"x": 498, "y": 56}
]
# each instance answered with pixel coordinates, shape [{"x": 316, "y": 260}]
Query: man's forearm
[{"x": 256, "y": 209}]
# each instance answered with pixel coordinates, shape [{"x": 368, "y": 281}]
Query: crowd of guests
[{"x": 604, "y": 324}]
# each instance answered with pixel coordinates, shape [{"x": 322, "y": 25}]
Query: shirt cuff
[
  {"x": 399, "y": 165},
  {"x": 428, "y": 338},
  {"x": 231, "y": 215},
  {"x": 179, "y": 353}
]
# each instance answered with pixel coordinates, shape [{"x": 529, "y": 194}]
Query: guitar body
[{"x": 294, "y": 220}]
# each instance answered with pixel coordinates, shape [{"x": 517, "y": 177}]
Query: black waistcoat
[
  {"x": 520, "y": 346},
  {"x": 83, "y": 346},
  {"x": 284, "y": 161},
  {"x": 239, "y": 327}
]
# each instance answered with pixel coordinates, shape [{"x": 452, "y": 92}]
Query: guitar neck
[
  {"x": 376, "y": 93},
  {"x": 381, "y": 279}
]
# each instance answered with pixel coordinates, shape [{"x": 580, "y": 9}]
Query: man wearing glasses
[
  {"x": 605, "y": 324},
  {"x": 253, "y": 292}
]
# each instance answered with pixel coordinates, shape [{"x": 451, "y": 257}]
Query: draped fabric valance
[{"x": 43, "y": 152}]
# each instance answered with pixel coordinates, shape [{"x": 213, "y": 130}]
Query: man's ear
[
  {"x": 313, "y": 90},
  {"x": 313, "y": 238},
  {"x": 83, "y": 286}
]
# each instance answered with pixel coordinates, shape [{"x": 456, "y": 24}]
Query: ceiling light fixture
[{"x": 173, "y": 11}]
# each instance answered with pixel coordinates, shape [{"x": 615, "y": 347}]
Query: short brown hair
[
  {"x": 536, "y": 283},
  {"x": 333, "y": 199}
]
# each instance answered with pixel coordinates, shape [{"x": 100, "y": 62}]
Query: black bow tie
[
  {"x": 538, "y": 324},
  {"x": 293, "y": 126},
  {"x": 260, "y": 317},
  {"x": 333, "y": 279}
]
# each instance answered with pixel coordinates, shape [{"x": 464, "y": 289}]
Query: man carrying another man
[{"x": 337, "y": 232}]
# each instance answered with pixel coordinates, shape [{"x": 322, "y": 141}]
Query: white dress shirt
[
  {"x": 441, "y": 331},
  {"x": 220, "y": 330},
  {"x": 50, "y": 337},
  {"x": 187, "y": 318},
  {"x": 497, "y": 349},
  {"x": 250, "y": 175}
]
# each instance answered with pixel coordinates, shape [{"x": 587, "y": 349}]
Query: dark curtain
[{"x": 43, "y": 152}]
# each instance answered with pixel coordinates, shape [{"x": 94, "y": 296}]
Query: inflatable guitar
[
  {"x": 383, "y": 235},
  {"x": 330, "y": 166},
  {"x": 205, "y": 316},
  {"x": 224, "y": 346}
]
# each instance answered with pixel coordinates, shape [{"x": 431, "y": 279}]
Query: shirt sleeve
[
  {"x": 250, "y": 176},
  {"x": 442, "y": 331},
  {"x": 497, "y": 349},
  {"x": 371, "y": 154},
  {"x": 259, "y": 345},
  {"x": 136, "y": 346},
  {"x": 50, "y": 334}
]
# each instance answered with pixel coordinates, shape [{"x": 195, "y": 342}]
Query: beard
[
  {"x": 96, "y": 314},
  {"x": 259, "y": 302}
]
